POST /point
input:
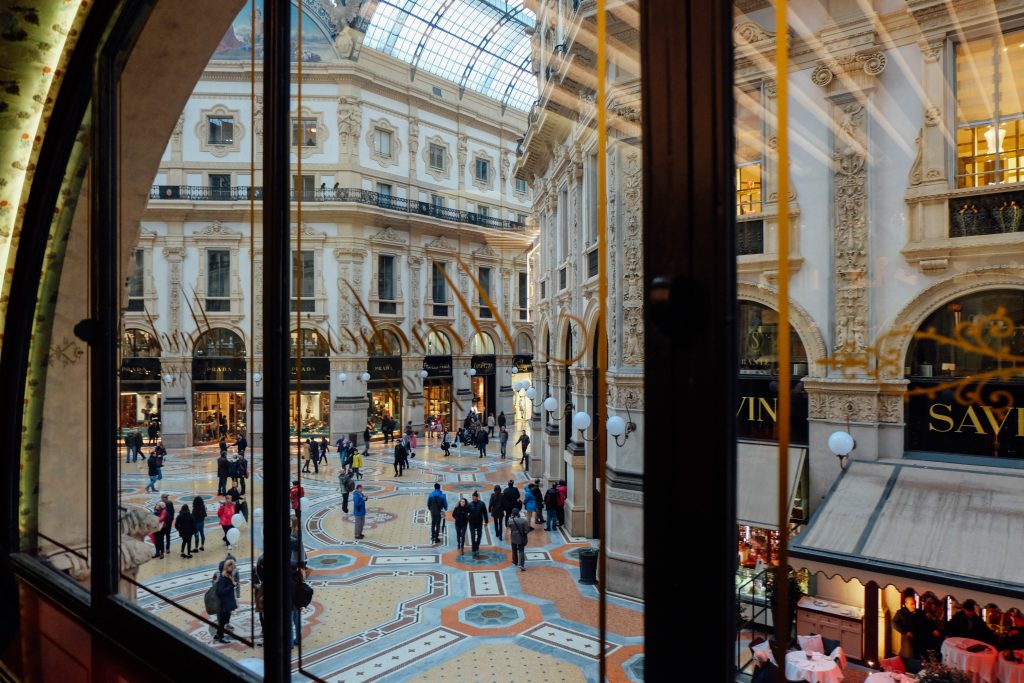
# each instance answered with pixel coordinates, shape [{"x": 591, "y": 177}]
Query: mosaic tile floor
[{"x": 393, "y": 606}]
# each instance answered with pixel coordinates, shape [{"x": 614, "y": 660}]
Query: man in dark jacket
[
  {"x": 152, "y": 431},
  {"x": 551, "y": 503},
  {"x": 346, "y": 485},
  {"x": 509, "y": 497},
  {"x": 764, "y": 669},
  {"x": 399, "y": 461},
  {"x": 518, "y": 535},
  {"x": 437, "y": 503},
  {"x": 919, "y": 634},
  {"x": 165, "y": 535},
  {"x": 222, "y": 473},
  {"x": 153, "y": 462},
  {"x": 481, "y": 442},
  {"x": 524, "y": 440},
  {"x": 477, "y": 519},
  {"x": 242, "y": 444},
  {"x": 969, "y": 624}
]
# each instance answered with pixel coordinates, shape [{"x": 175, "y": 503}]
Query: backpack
[
  {"x": 304, "y": 595},
  {"x": 211, "y": 600},
  {"x": 350, "y": 485}
]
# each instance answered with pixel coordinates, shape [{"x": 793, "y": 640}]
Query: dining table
[
  {"x": 812, "y": 667},
  {"x": 971, "y": 656},
  {"x": 888, "y": 677},
  {"x": 1011, "y": 671}
]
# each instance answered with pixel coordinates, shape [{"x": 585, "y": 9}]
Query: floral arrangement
[{"x": 934, "y": 672}]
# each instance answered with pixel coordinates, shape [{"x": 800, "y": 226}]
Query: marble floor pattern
[{"x": 393, "y": 606}]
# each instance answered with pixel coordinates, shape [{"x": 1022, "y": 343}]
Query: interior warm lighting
[{"x": 990, "y": 138}]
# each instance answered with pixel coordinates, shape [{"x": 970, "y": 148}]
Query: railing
[
  {"x": 344, "y": 194},
  {"x": 988, "y": 214},
  {"x": 749, "y": 237}
]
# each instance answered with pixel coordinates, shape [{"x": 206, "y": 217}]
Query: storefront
[
  {"x": 437, "y": 390},
  {"x": 139, "y": 403},
  {"x": 522, "y": 372},
  {"x": 218, "y": 387},
  {"x": 483, "y": 384},
  {"x": 310, "y": 407},
  {"x": 384, "y": 392}
]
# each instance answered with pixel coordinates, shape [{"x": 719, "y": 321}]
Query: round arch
[
  {"x": 219, "y": 342},
  {"x": 387, "y": 341},
  {"x": 524, "y": 344},
  {"x": 482, "y": 344},
  {"x": 437, "y": 343},
  {"x": 314, "y": 343},
  {"x": 898, "y": 333},
  {"x": 138, "y": 343},
  {"x": 801, "y": 321}
]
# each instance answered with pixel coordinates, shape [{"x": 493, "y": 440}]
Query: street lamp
[
  {"x": 342, "y": 377},
  {"x": 841, "y": 444}
]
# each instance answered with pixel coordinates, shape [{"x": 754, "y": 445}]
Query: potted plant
[{"x": 933, "y": 672}]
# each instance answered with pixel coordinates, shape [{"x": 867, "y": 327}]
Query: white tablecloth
[
  {"x": 886, "y": 677},
  {"x": 981, "y": 665},
  {"x": 1011, "y": 672},
  {"x": 819, "y": 669}
]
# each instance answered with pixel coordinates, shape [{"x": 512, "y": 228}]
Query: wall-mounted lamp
[
  {"x": 168, "y": 378},
  {"x": 551, "y": 405},
  {"x": 617, "y": 427},
  {"x": 423, "y": 374},
  {"x": 257, "y": 377},
  {"x": 471, "y": 372},
  {"x": 581, "y": 423},
  {"x": 342, "y": 377},
  {"x": 841, "y": 444},
  {"x": 365, "y": 377},
  {"x": 531, "y": 393}
]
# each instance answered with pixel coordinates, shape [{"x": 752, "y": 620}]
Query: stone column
[
  {"x": 412, "y": 395},
  {"x": 623, "y": 486},
  {"x": 462, "y": 398},
  {"x": 504, "y": 401},
  {"x": 349, "y": 403},
  {"x": 176, "y": 403},
  {"x": 554, "y": 456},
  {"x": 579, "y": 455}
]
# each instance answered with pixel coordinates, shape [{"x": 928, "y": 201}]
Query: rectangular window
[
  {"x": 386, "y": 278},
  {"x": 563, "y": 225},
  {"x": 520, "y": 185},
  {"x": 484, "y": 276},
  {"x": 307, "y": 185},
  {"x": 523, "y": 295},
  {"x": 484, "y": 211},
  {"x": 220, "y": 186},
  {"x": 384, "y": 189},
  {"x": 592, "y": 200},
  {"x": 437, "y": 201},
  {"x": 305, "y": 278},
  {"x": 439, "y": 290},
  {"x": 304, "y": 132},
  {"x": 382, "y": 143},
  {"x": 437, "y": 157},
  {"x": 749, "y": 152},
  {"x": 562, "y": 278},
  {"x": 521, "y": 218},
  {"x": 218, "y": 280},
  {"x": 483, "y": 170},
  {"x": 136, "y": 283},
  {"x": 221, "y": 130},
  {"x": 989, "y": 144}
]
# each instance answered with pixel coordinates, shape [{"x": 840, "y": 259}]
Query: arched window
[
  {"x": 524, "y": 345},
  {"x": 219, "y": 343},
  {"x": 385, "y": 343},
  {"x": 136, "y": 343},
  {"x": 482, "y": 345},
  {"x": 437, "y": 344},
  {"x": 313, "y": 344},
  {"x": 758, "y": 328},
  {"x": 1001, "y": 337}
]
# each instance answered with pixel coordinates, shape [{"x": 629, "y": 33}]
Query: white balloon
[
  {"x": 531, "y": 393},
  {"x": 550, "y": 404},
  {"x": 233, "y": 536},
  {"x": 840, "y": 443},
  {"x": 580, "y": 421},
  {"x": 238, "y": 520},
  {"x": 616, "y": 425},
  {"x": 303, "y": 503}
]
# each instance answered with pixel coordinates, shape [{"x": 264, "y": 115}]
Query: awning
[
  {"x": 757, "y": 471},
  {"x": 921, "y": 524}
]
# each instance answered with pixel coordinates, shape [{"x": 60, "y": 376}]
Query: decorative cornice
[
  {"x": 441, "y": 244},
  {"x": 388, "y": 235},
  {"x": 217, "y": 229},
  {"x": 485, "y": 252}
]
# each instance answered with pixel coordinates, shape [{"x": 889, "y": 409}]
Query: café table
[
  {"x": 980, "y": 665},
  {"x": 886, "y": 677},
  {"x": 1011, "y": 672},
  {"x": 817, "y": 669}
]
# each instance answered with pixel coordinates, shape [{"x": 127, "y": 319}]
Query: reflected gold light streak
[{"x": 601, "y": 362}]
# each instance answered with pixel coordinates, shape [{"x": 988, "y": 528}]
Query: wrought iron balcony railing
[
  {"x": 988, "y": 214},
  {"x": 343, "y": 194},
  {"x": 749, "y": 237}
]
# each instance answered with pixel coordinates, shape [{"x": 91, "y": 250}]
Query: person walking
[
  {"x": 502, "y": 422},
  {"x": 551, "y": 503},
  {"x": 460, "y": 514},
  {"x": 160, "y": 510},
  {"x": 161, "y": 455},
  {"x": 490, "y": 424},
  {"x": 152, "y": 430},
  {"x": 510, "y": 498},
  {"x": 166, "y": 531},
  {"x": 357, "y": 463},
  {"x": 199, "y": 522},
  {"x": 325, "y": 448},
  {"x": 477, "y": 519},
  {"x": 525, "y": 441},
  {"x": 503, "y": 440},
  {"x": 399, "y": 458},
  {"x": 129, "y": 447},
  {"x": 437, "y": 504},
  {"x": 346, "y": 486},
  {"x": 359, "y": 510},
  {"x": 233, "y": 469},
  {"x": 243, "y": 471},
  {"x": 366, "y": 441},
  {"x": 538, "y": 493},
  {"x": 445, "y": 446},
  {"x": 186, "y": 529},
  {"x": 242, "y": 443},
  {"x": 226, "y": 585},
  {"x": 314, "y": 455},
  {"x": 295, "y": 495},
  {"x": 304, "y": 452},
  {"x": 497, "y": 511},
  {"x": 224, "y": 513},
  {"x": 222, "y": 473},
  {"x": 481, "y": 442},
  {"x": 153, "y": 463},
  {"x": 518, "y": 534},
  {"x": 563, "y": 493},
  {"x": 530, "y": 502}
]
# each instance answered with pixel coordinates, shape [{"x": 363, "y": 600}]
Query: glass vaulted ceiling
[{"x": 482, "y": 45}]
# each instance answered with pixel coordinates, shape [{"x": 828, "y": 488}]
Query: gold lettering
[
  {"x": 996, "y": 426},
  {"x": 743, "y": 399},
  {"x": 943, "y": 418},
  {"x": 771, "y": 409},
  {"x": 975, "y": 422}
]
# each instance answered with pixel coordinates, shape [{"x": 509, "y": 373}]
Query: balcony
[
  {"x": 988, "y": 214},
  {"x": 749, "y": 237},
  {"x": 352, "y": 195}
]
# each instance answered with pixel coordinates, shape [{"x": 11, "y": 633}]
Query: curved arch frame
[
  {"x": 799, "y": 318},
  {"x": 484, "y": 42},
  {"x": 230, "y": 328},
  {"x": 487, "y": 334}
]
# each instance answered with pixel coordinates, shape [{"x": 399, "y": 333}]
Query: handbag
[
  {"x": 211, "y": 600},
  {"x": 304, "y": 595}
]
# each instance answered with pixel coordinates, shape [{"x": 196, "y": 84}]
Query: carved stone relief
[
  {"x": 849, "y": 182},
  {"x": 632, "y": 263}
]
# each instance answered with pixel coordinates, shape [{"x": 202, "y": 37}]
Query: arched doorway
[
  {"x": 522, "y": 371},
  {"x": 437, "y": 385},
  {"x": 218, "y": 386},
  {"x": 986, "y": 340},
  {"x": 384, "y": 388},
  {"x": 139, "y": 401},
  {"x": 481, "y": 348},
  {"x": 310, "y": 404}
]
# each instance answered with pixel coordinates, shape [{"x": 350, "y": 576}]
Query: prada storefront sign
[
  {"x": 384, "y": 368},
  {"x": 993, "y": 426},
  {"x": 222, "y": 370},
  {"x": 438, "y": 366},
  {"x": 522, "y": 363},
  {"x": 315, "y": 371},
  {"x": 757, "y": 409},
  {"x": 141, "y": 371},
  {"x": 484, "y": 365}
]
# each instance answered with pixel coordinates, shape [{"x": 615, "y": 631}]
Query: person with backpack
[
  {"x": 494, "y": 506},
  {"x": 551, "y": 503},
  {"x": 186, "y": 527},
  {"x": 518, "y": 534},
  {"x": 227, "y": 582},
  {"x": 199, "y": 522},
  {"x": 346, "y": 485},
  {"x": 477, "y": 519},
  {"x": 437, "y": 504},
  {"x": 460, "y": 515}
]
